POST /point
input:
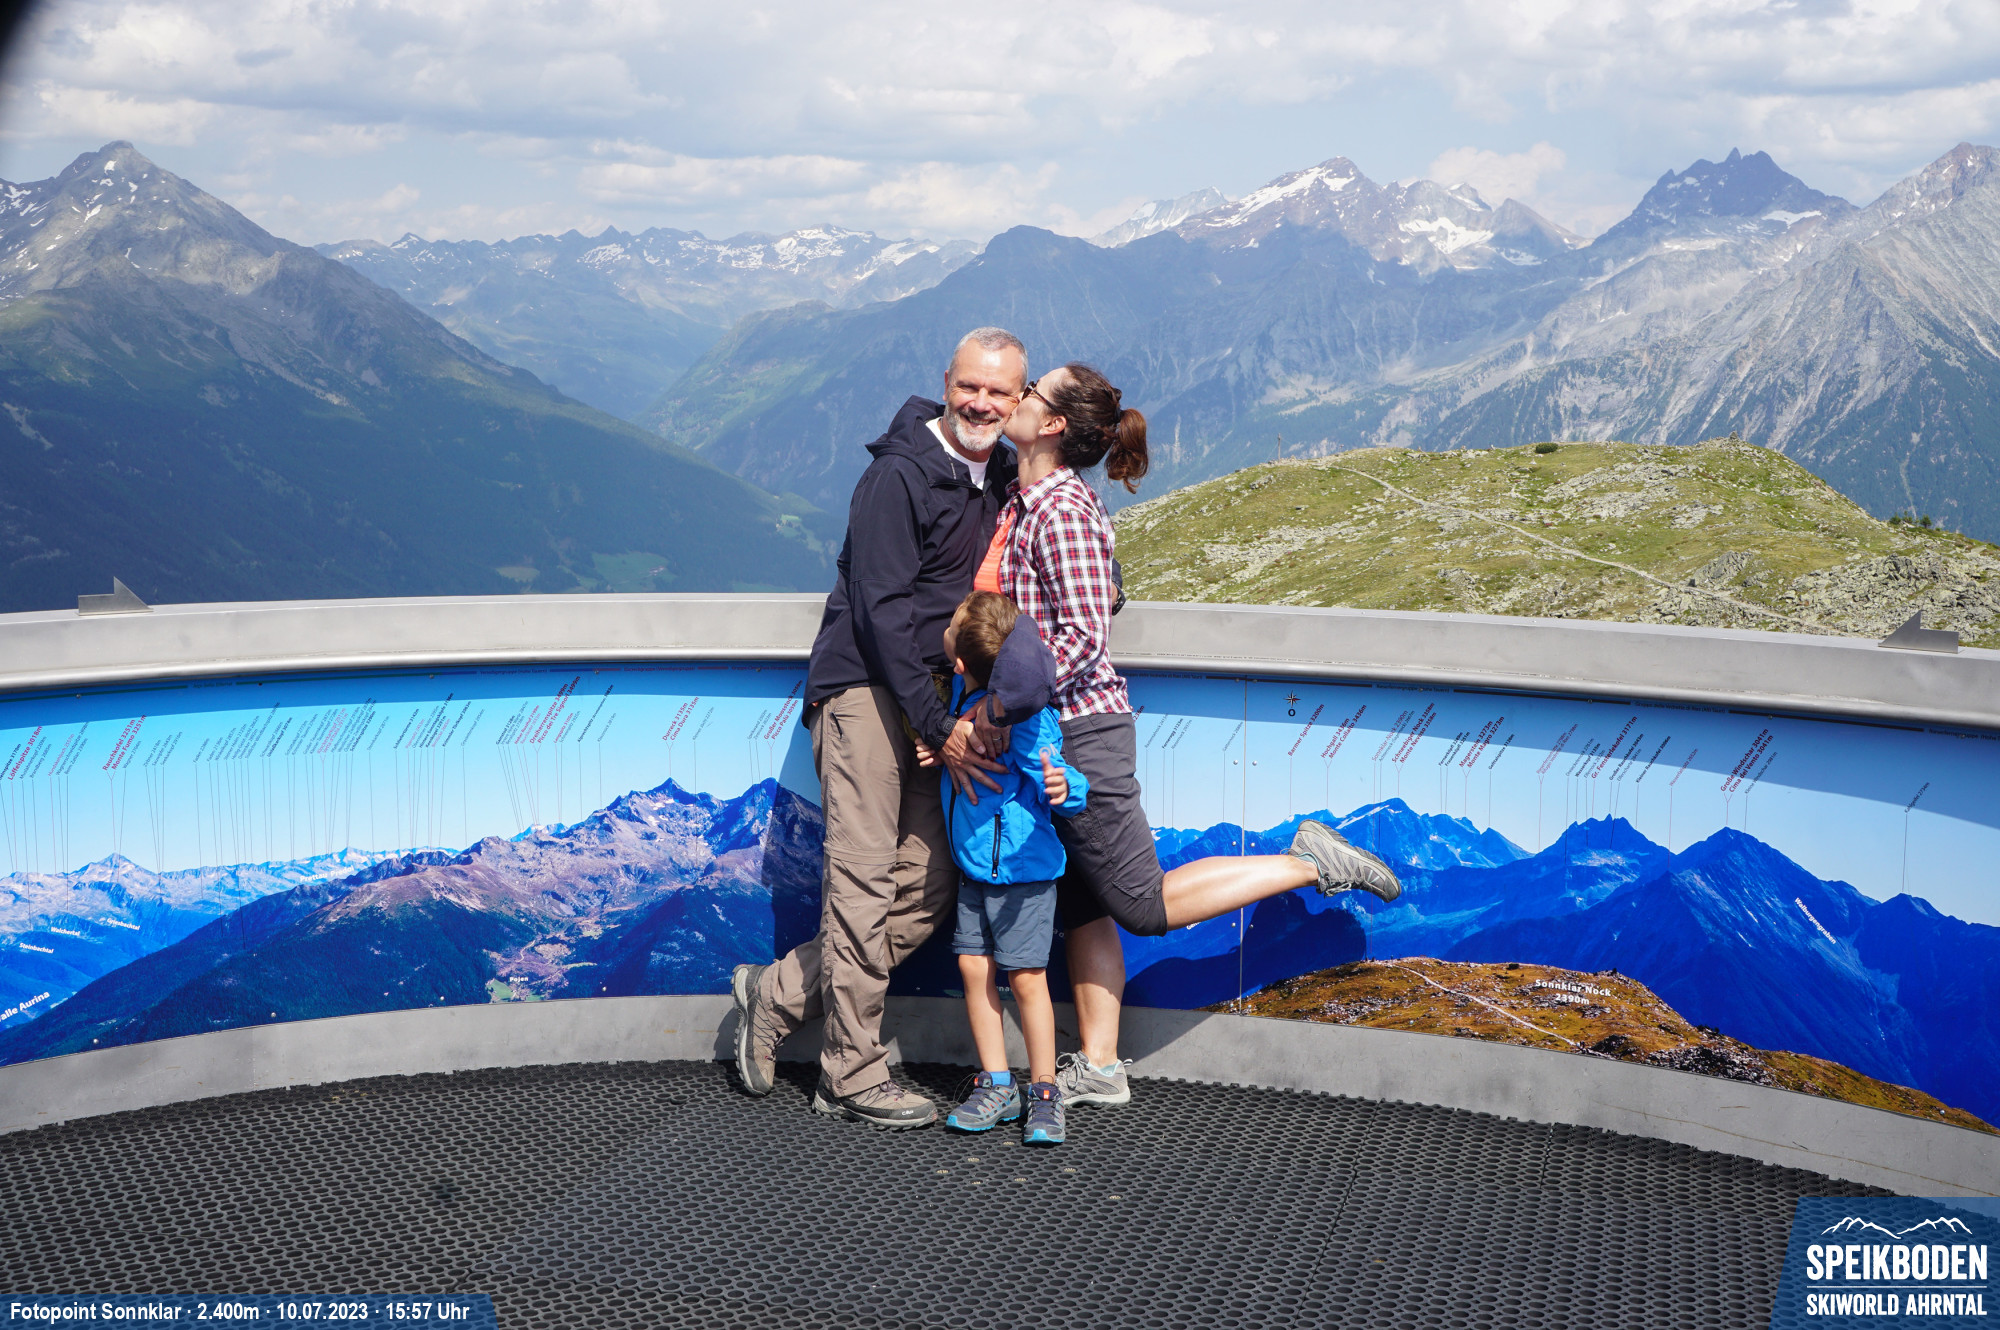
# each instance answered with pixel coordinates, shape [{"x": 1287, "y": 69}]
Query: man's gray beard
[{"x": 974, "y": 438}]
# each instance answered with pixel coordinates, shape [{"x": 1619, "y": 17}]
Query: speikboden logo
[{"x": 1881, "y": 1260}]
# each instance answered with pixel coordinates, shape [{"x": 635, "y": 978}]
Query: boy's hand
[
  {"x": 1054, "y": 780},
  {"x": 926, "y": 755}
]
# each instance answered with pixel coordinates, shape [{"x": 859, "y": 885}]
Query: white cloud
[
  {"x": 944, "y": 199},
  {"x": 675, "y": 181},
  {"x": 1499, "y": 175},
  {"x": 1585, "y": 201},
  {"x": 1044, "y": 112},
  {"x": 63, "y": 110}
]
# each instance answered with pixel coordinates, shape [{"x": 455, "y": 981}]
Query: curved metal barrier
[{"x": 210, "y": 812}]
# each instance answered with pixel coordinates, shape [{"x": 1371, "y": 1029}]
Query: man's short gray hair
[{"x": 990, "y": 339}]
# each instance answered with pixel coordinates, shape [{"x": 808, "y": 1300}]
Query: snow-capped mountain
[
  {"x": 612, "y": 319},
  {"x": 1421, "y": 224},
  {"x": 1161, "y": 215}
]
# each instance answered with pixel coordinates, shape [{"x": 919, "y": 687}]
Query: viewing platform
[
  {"x": 656, "y": 1195},
  {"x": 308, "y": 984}
]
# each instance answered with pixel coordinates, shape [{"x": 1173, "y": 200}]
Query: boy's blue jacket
[{"x": 1007, "y": 836}]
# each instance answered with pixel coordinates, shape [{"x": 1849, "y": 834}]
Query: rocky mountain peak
[
  {"x": 1311, "y": 197},
  {"x": 1420, "y": 223},
  {"x": 115, "y": 214},
  {"x": 1735, "y": 196},
  {"x": 1937, "y": 186},
  {"x": 1161, "y": 215}
]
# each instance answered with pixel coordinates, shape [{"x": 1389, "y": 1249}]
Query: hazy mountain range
[
  {"x": 612, "y": 318},
  {"x": 212, "y": 413},
  {"x": 1325, "y": 312}
]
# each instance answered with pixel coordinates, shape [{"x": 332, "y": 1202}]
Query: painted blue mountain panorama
[{"x": 247, "y": 851}]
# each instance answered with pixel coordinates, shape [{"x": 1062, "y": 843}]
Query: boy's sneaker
[
  {"x": 1082, "y": 1083},
  {"x": 987, "y": 1106},
  {"x": 757, "y": 1033},
  {"x": 1342, "y": 866},
  {"x": 886, "y": 1105},
  {"x": 1047, "y": 1124}
]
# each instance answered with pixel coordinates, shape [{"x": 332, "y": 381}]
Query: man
[{"x": 920, "y": 520}]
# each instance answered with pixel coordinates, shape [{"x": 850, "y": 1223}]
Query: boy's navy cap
[{"x": 1024, "y": 673}]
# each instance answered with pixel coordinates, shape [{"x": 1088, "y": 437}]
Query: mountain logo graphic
[{"x": 1942, "y": 1224}]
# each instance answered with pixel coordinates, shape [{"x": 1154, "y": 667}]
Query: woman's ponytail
[
  {"x": 1127, "y": 459},
  {"x": 1099, "y": 427}
]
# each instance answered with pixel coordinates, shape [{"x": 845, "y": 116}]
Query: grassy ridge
[{"x": 1721, "y": 534}]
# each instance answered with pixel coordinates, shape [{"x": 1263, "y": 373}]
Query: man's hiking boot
[
  {"x": 757, "y": 1032},
  {"x": 987, "y": 1106},
  {"x": 887, "y": 1105},
  {"x": 1047, "y": 1124},
  {"x": 1082, "y": 1083},
  {"x": 1340, "y": 865}
]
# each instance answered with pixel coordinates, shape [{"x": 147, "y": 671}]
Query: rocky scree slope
[
  {"x": 212, "y": 413},
  {"x": 1724, "y": 534}
]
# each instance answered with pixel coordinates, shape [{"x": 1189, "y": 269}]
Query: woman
[{"x": 1052, "y": 556}]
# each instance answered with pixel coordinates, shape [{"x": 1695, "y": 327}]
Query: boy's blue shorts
[{"x": 1014, "y": 923}]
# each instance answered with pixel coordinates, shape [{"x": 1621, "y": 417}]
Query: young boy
[{"x": 1008, "y": 854}]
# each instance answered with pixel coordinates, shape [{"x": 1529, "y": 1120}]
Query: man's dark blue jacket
[{"x": 917, "y": 528}]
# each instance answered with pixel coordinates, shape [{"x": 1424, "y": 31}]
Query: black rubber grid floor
[{"x": 655, "y": 1195}]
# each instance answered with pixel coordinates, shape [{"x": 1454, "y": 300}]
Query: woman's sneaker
[
  {"x": 1082, "y": 1083},
  {"x": 1342, "y": 866},
  {"x": 987, "y": 1106},
  {"x": 1047, "y": 1124}
]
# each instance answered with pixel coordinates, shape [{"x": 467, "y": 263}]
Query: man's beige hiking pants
[{"x": 889, "y": 882}]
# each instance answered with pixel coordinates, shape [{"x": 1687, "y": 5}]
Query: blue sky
[{"x": 328, "y": 120}]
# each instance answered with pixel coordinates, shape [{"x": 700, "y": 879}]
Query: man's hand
[
  {"x": 966, "y": 764},
  {"x": 1055, "y": 781},
  {"x": 990, "y": 738}
]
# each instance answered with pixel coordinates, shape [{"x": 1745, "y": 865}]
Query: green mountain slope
[
  {"x": 212, "y": 413},
  {"x": 1721, "y": 534}
]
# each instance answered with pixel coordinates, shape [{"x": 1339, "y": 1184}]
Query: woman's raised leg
[{"x": 1215, "y": 886}]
